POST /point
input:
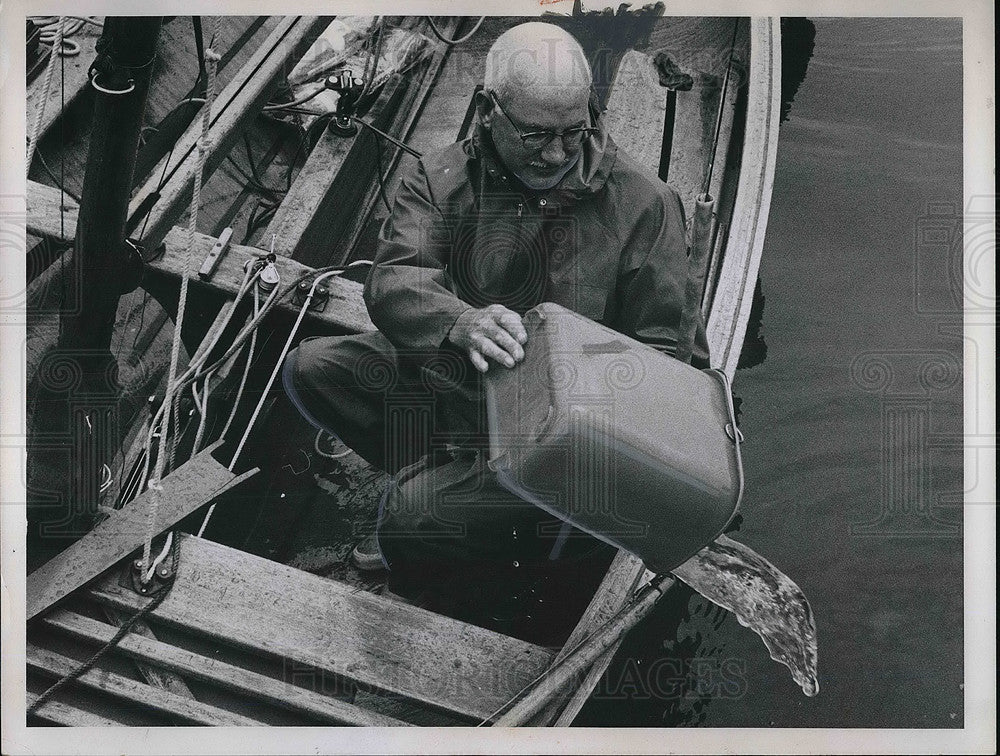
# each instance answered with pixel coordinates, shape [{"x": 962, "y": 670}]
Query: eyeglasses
[{"x": 537, "y": 140}]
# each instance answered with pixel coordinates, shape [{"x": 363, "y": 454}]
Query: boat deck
[{"x": 245, "y": 639}]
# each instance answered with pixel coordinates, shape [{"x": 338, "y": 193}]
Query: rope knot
[{"x": 212, "y": 56}]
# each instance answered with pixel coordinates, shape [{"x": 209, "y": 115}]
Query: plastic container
[{"x": 615, "y": 438}]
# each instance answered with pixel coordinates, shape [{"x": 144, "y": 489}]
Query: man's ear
[{"x": 485, "y": 109}]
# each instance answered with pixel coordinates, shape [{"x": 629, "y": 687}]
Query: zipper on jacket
[{"x": 520, "y": 209}]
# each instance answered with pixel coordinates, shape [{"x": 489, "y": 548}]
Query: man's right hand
[{"x": 495, "y": 332}]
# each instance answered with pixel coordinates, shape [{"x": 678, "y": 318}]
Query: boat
[{"x": 241, "y": 638}]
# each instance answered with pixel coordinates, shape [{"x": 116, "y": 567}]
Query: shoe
[{"x": 367, "y": 556}]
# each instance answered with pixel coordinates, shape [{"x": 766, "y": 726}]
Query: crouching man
[{"x": 538, "y": 205}]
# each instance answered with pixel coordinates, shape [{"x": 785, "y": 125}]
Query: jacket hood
[{"x": 597, "y": 159}]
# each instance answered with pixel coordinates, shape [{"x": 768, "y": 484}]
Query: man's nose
[{"x": 554, "y": 153}]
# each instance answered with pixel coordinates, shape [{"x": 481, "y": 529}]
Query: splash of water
[{"x": 763, "y": 599}]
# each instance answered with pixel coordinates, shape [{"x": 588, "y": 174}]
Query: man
[{"x": 538, "y": 205}]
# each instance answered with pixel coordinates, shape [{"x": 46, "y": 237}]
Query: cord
[
  {"x": 114, "y": 641},
  {"x": 52, "y": 175},
  {"x": 387, "y": 137},
  {"x": 294, "y": 103},
  {"x": 460, "y": 40}
]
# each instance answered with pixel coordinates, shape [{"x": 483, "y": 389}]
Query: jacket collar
[{"x": 587, "y": 177}]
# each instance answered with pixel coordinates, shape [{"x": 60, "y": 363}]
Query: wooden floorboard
[
  {"x": 389, "y": 646},
  {"x": 249, "y": 684},
  {"x": 191, "y": 711},
  {"x": 67, "y": 715}
]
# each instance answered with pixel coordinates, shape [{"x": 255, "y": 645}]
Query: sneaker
[{"x": 367, "y": 556}]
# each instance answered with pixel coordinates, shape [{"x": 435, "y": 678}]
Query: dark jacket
[{"x": 607, "y": 242}]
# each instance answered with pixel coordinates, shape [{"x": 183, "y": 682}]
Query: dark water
[{"x": 854, "y": 473}]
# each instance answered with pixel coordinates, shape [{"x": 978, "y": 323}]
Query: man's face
[{"x": 533, "y": 111}]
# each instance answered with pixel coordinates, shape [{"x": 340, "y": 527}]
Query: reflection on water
[{"x": 763, "y": 599}]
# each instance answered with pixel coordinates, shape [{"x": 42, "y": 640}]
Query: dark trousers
[{"x": 422, "y": 419}]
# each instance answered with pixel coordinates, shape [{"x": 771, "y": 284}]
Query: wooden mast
[
  {"x": 107, "y": 185},
  {"x": 75, "y": 392}
]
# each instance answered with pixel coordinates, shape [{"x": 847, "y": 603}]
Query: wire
[
  {"x": 284, "y": 351},
  {"x": 460, "y": 40},
  {"x": 377, "y": 36},
  {"x": 293, "y": 103},
  {"x": 387, "y": 137},
  {"x": 246, "y": 370},
  {"x": 52, "y": 175}
]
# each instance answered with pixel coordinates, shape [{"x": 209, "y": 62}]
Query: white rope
[
  {"x": 46, "y": 87},
  {"x": 212, "y": 59},
  {"x": 246, "y": 369}
]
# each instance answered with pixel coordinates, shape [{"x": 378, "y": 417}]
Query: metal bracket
[
  {"x": 163, "y": 576},
  {"x": 215, "y": 256},
  {"x": 320, "y": 297}
]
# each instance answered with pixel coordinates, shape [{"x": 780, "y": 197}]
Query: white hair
[{"x": 536, "y": 56}]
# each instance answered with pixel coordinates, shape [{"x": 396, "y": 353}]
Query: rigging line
[
  {"x": 212, "y": 59},
  {"x": 62, "y": 188},
  {"x": 236, "y": 401},
  {"x": 284, "y": 352},
  {"x": 706, "y": 184},
  {"x": 39, "y": 114},
  {"x": 460, "y": 40},
  {"x": 204, "y": 413},
  {"x": 246, "y": 370},
  {"x": 294, "y": 103},
  {"x": 200, "y": 50},
  {"x": 125, "y": 628},
  {"x": 376, "y": 41}
]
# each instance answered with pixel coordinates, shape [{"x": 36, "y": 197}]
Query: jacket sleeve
[
  {"x": 653, "y": 278},
  {"x": 409, "y": 292}
]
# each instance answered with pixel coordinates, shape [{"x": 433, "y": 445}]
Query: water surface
[{"x": 854, "y": 471}]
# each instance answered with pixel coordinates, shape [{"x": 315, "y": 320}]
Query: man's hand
[{"x": 493, "y": 332}]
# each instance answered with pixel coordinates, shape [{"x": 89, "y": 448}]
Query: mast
[{"x": 75, "y": 393}]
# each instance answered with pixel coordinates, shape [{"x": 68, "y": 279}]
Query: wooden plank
[
  {"x": 190, "y": 486},
  {"x": 636, "y": 108},
  {"x": 187, "y": 709},
  {"x": 390, "y": 646},
  {"x": 312, "y": 217},
  {"x": 228, "y": 676},
  {"x": 407, "y": 116},
  {"x": 158, "y": 678},
  {"x": 238, "y": 103},
  {"x": 67, "y": 715},
  {"x": 345, "y": 313},
  {"x": 734, "y": 293}
]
